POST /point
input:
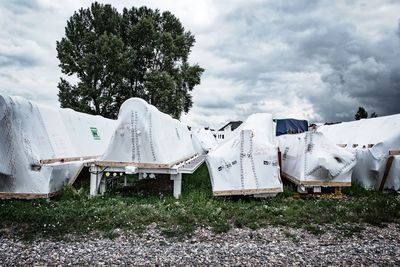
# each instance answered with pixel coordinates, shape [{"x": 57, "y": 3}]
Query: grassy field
[{"x": 74, "y": 212}]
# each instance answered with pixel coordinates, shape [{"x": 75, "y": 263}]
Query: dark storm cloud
[
  {"x": 356, "y": 69},
  {"x": 369, "y": 75}
]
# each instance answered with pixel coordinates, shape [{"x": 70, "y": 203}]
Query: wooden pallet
[
  {"x": 319, "y": 189},
  {"x": 326, "y": 193},
  {"x": 297, "y": 181}
]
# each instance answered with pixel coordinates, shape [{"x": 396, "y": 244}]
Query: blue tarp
[{"x": 287, "y": 126}]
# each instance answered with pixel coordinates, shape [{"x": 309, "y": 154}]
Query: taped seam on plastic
[
  {"x": 137, "y": 137},
  {"x": 309, "y": 145},
  {"x": 241, "y": 158},
  {"x": 133, "y": 130},
  {"x": 151, "y": 138},
  {"x": 305, "y": 152},
  {"x": 341, "y": 170},
  {"x": 253, "y": 167}
]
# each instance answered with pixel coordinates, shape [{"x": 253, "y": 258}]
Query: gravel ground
[{"x": 276, "y": 246}]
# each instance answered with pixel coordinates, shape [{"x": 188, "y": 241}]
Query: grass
[{"x": 73, "y": 212}]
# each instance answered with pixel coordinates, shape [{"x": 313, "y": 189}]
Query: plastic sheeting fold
[
  {"x": 146, "y": 135},
  {"x": 203, "y": 140},
  {"x": 30, "y": 132},
  {"x": 311, "y": 157},
  {"x": 247, "y": 162},
  {"x": 371, "y": 140}
]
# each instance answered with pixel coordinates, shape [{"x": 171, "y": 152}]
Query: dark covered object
[{"x": 291, "y": 126}]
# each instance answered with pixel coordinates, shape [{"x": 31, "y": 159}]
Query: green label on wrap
[{"x": 95, "y": 133}]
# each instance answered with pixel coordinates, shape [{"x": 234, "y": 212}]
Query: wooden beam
[
  {"x": 314, "y": 183},
  {"x": 338, "y": 191},
  {"x": 290, "y": 178},
  {"x": 72, "y": 180},
  {"x": 247, "y": 191},
  {"x": 11, "y": 195},
  {"x": 62, "y": 160},
  {"x": 386, "y": 173},
  {"x": 144, "y": 165},
  {"x": 109, "y": 163},
  {"x": 394, "y": 152}
]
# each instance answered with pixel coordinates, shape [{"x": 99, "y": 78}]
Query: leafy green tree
[
  {"x": 114, "y": 56},
  {"x": 361, "y": 114},
  {"x": 374, "y": 115}
]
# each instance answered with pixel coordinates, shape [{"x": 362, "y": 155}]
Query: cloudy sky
[{"x": 317, "y": 60}]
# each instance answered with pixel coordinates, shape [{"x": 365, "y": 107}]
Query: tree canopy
[
  {"x": 374, "y": 115},
  {"x": 361, "y": 114},
  {"x": 114, "y": 56}
]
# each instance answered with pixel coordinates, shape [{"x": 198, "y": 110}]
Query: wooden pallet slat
[
  {"x": 63, "y": 160},
  {"x": 394, "y": 152},
  {"x": 72, "y": 180},
  {"x": 247, "y": 191},
  {"x": 8, "y": 195},
  {"x": 144, "y": 165}
]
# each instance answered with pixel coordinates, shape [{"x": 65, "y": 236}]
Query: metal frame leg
[
  {"x": 103, "y": 185},
  {"x": 177, "y": 178},
  {"x": 95, "y": 179},
  {"x": 301, "y": 189}
]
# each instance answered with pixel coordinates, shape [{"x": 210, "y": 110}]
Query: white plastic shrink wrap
[
  {"x": 30, "y": 132},
  {"x": 146, "y": 135},
  {"x": 203, "y": 140},
  {"x": 371, "y": 140},
  {"x": 311, "y": 157},
  {"x": 247, "y": 163}
]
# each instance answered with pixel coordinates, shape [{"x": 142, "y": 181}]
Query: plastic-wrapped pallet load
[
  {"x": 146, "y": 135},
  {"x": 31, "y": 133},
  {"x": 311, "y": 159},
  {"x": 203, "y": 140},
  {"x": 247, "y": 162},
  {"x": 371, "y": 140}
]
